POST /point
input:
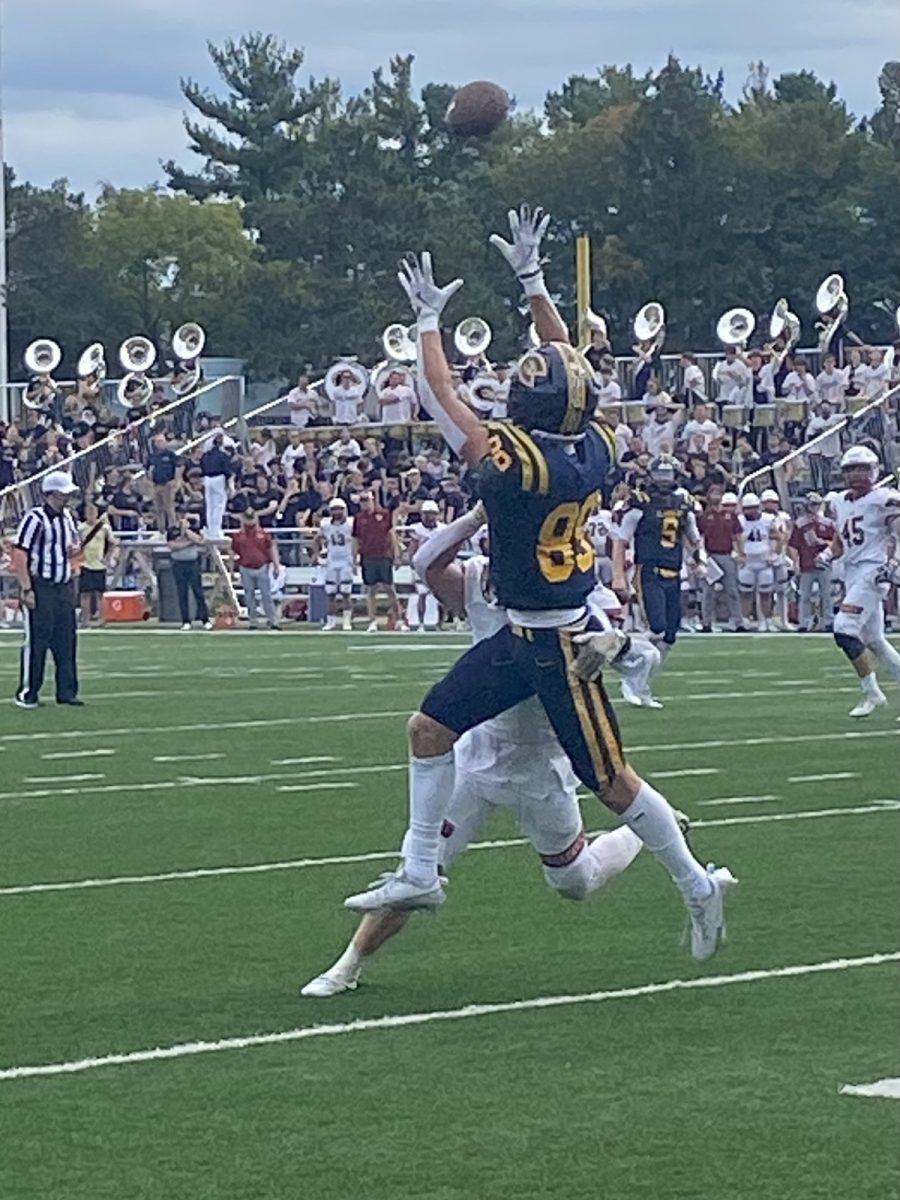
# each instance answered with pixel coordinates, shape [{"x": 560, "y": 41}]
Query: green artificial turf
[{"x": 727, "y": 1091}]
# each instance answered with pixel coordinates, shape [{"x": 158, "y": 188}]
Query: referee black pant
[{"x": 50, "y": 625}]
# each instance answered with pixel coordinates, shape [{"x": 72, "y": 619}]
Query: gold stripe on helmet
[{"x": 578, "y": 372}]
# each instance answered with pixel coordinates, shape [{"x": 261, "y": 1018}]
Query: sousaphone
[
  {"x": 472, "y": 337},
  {"x": 337, "y": 369},
  {"x": 735, "y": 326},
  {"x": 41, "y": 358},
  {"x": 137, "y": 355},
  {"x": 650, "y": 328},
  {"x": 187, "y": 346},
  {"x": 92, "y": 363}
]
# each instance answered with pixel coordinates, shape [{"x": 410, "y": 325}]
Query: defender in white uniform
[
  {"x": 336, "y": 544},
  {"x": 782, "y": 524},
  {"x": 513, "y": 762},
  {"x": 422, "y": 611},
  {"x": 868, "y": 530},
  {"x": 756, "y": 556}
]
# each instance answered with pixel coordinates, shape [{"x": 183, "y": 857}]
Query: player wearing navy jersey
[
  {"x": 539, "y": 478},
  {"x": 659, "y": 521}
]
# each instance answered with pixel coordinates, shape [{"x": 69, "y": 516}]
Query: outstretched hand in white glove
[
  {"x": 523, "y": 252},
  {"x": 428, "y": 301}
]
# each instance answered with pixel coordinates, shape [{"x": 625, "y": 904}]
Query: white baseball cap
[
  {"x": 729, "y": 498},
  {"x": 337, "y": 502},
  {"x": 749, "y": 500},
  {"x": 429, "y": 506},
  {"x": 770, "y": 494},
  {"x": 59, "y": 481}
]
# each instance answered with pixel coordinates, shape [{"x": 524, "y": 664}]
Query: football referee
[{"x": 45, "y": 543}]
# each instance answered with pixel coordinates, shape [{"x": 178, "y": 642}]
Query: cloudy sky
[{"x": 90, "y": 90}]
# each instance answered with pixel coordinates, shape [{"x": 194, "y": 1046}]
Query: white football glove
[
  {"x": 523, "y": 253},
  {"x": 597, "y": 650},
  {"x": 824, "y": 558},
  {"x": 889, "y": 573},
  {"x": 427, "y": 299}
]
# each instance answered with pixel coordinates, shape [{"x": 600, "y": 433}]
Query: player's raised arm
[
  {"x": 461, "y": 428},
  {"x": 523, "y": 253},
  {"x": 435, "y": 560}
]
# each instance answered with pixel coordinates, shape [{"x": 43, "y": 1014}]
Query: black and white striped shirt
[{"x": 48, "y": 538}]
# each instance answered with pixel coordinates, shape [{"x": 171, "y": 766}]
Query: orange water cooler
[{"x": 124, "y": 606}]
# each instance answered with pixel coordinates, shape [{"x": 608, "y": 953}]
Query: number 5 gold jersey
[{"x": 539, "y": 492}]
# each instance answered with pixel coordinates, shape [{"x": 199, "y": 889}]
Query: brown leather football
[{"x": 477, "y": 109}]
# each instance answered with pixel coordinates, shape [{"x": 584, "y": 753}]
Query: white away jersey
[
  {"x": 756, "y": 533},
  {"x": 864, "y": 524},
  {"x": 338, "y": 539}
]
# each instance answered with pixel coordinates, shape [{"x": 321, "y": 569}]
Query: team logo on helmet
[{"x": 553, "y": 390}]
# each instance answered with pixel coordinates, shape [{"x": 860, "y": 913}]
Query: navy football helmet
[
  {"x": 553, "y": 390},
  {"x": 663, "y": 471}
]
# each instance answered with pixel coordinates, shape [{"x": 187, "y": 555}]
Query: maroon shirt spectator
[
  {"x": 252, "y": 546},
  {"x": 373, "y": 533},
  {"x": 719, "y": 529},
  {"x": 811, "y": 534}
]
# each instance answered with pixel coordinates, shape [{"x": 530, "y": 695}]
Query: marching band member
[
  {"x": 830, "y": 383},
  {"x": 732, "y": 378},
  {"x": 693, "y": 381},
  {"x": 875, "y": 376},
  {"x": 348, "y": 396},
  {"x": 609, "y": 390},
  {"x": 397, "y": 400},
  {"x": 799, "y": 384},
  {"x": 302, "y": 401}
]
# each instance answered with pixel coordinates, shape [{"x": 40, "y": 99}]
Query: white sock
[
  {"x": 650, "y": 816},
  {"x": 430, "y": 785},
  {"x": 889, "y": 657},
  {"x": 869, "y": 684},
  {"x": 611, "y": 853},
  {"x": 348, "y": 966}
]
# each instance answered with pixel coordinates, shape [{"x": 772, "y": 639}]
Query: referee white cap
[{"x": 59, "y": 481}]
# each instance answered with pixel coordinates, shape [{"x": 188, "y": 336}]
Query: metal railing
[
  {"x": 780, "y": 471},
  {"x": 120, "y": 448}
]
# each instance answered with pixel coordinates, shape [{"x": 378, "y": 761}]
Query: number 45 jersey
[
  {"x": 538, "y": 493},
  {"x": 865, "y": 526}
]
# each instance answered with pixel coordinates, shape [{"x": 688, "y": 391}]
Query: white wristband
[
  {"x": 534, "y": 285},
  {"x": 428, "y": 321}
]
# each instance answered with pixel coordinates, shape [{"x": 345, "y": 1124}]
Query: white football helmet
[
  {"x": 859, "y": 456},
  {"x": 770, "y": 495}
]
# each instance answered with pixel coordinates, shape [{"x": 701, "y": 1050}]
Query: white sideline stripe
[
  {"x": 60, "y": 779},
  {"x": 882, "y": 1089},
  {"x": 468, "y": 1011},
  {"x": 684, "y": 771},
  {"x": 312, "y": 787},
  {"x": 296, "y": 762},
  {"x": 176, "y": 758},
  {"x": 822, "y": 778},
  {"x": 340, "y": 860},
  {"x": 735, "y": 800},
  {"x": 67, "y": 754}
]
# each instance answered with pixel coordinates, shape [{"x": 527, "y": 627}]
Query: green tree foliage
[{"x": 284, "y": 240}]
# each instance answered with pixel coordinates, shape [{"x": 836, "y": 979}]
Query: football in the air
[{"x": 477, "y": 109}]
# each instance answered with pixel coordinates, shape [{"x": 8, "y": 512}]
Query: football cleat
[
  {"x": 706, "y": 917},
  {"x": 868, "y": 704},
  {"x": 648, "y": 701},
  {"x": 372, "y": 627},
  {"x": 629, "y": 695},
  {"x": 330, "y": 985},
  {"x": 397, "y": 891}
]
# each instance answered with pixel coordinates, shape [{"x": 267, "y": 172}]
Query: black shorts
[
  {"x": 659, "y": 593},
  {"x": 377, "y": 570},
  {"x": 90, "y": 582},
  {"x": 517, "y": 663}
]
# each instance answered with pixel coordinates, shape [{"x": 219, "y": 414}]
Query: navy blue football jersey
[
  {"x": 659, "y": 530},
  {"x": 538, "y": 493}
]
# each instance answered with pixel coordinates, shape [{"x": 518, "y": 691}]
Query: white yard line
[
  {"x": 67, "y": 754},
  {"x": 684, "y": 771},
  {"x": 341, "y": 860},
  {"x": 296, "y": 762},
  {"x": 719, "y": 800},
  {"x": 465, "y": 1013},
  {"x": 882, "y": 1089},
  {"x": 822, "y": 778},
  {"x": 312, "y": 787},
  {"x": 178, "y": 758},
  {"x": 60, "y": 779}
]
